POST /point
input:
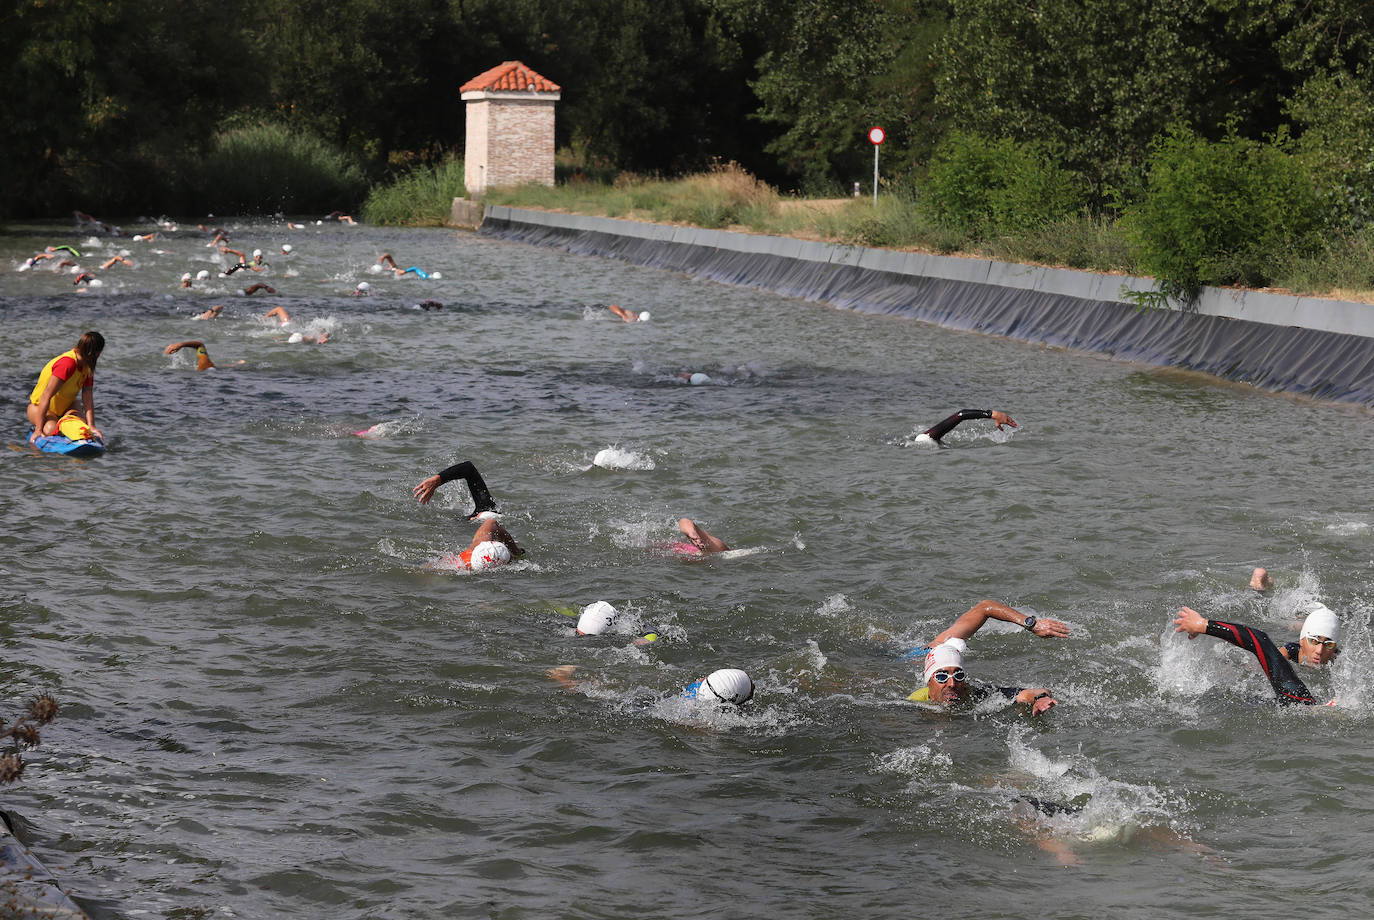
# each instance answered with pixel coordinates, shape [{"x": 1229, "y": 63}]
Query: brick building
[{"x": 509, "y": 128}]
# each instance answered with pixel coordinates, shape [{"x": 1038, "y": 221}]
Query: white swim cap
[
  {"x": 202, "y": 275},
  {"x": 286, "y": 247},
  {"x": 698, "y": 379},
  {"x": 728, "y": 685},
  {"x": 435, "y": 275},
  {"x": 643, "y": 316},
  {"x": 256, "y": 253},
  {"x": 1321, "y": 622},
  {"x": 488, "y": 555},
  {"x": 948, "y": 654},
  {"x": 364, "y": 286},
  {"x": 596, "y": 618},
  {"x": 295, "y": 338},
  {"x": 186, "y": 277}
]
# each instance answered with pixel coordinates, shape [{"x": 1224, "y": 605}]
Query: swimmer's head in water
[
  {"x": 728, "y": 685},
  {"x": 595, "y": 619},
  {"x": 1321, "y": 623},
  {"x": 488, "y": 555},
  {"x": 202, "y": 275},
  {"x": 948, "y": 654},
  {"x": 286, "y": 248},
  {"x": 295, "y": 338},
  {"x": 364, "y": 286},
  {"x": 643, "y": 316},
  {"x": 699, "y": 379}
]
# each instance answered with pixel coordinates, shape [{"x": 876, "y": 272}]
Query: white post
[{"x": 875, "y": 175}]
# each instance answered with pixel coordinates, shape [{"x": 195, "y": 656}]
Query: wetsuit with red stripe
[
  {"x": 940, "y": 429},
  {"x": 1288, "y": 687}
]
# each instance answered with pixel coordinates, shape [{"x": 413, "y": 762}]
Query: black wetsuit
[
  {"x": 939, "y": 430},
  {"x": 1288, "y": 687},
  {"x": 476, "y": 485}
]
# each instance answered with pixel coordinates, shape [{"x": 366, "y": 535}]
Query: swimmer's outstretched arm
[
  {"x": 628, "y": 316},
  {"x": 203, "y": 362},
  {"x": 1288, "y": 687},
  {"x": 492, "y": 530},
  {"x": 973, "y": 619},
  {"x": 940, "y": 429},
  {"x": 469, "y": 474}
]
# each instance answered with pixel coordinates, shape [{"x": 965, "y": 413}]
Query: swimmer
[
  {"x": 1316, "y": 647},
  {"x": 938, "y": 431},
  {"x": 257, "y": 260},
  {"x": 144, "y": 237},
  {"x": 430, "y": 305},
  {"x": 477, "y": 487},
  {"x": 291, "y": 226},
  {"x": 297, "y": 338},
  {"x": 186, "y": 280},
  {"x": 598, "y": 617},
  {"x": 210, "y": 313},
  {"x": 203, "y": 362},
  {"x": 253, "y": 289},
  {"x": 629, "y": 316},
  {"x": 386, "y": 261},
  {"x": 59, "y": 383},
  {"x": 701, "y": 541},
  {"x": 1260, "y": 580},
  {"x": 53, "y": 250},
  {"x": 727, "y": 688},
  {"x": 945, "y": 678},
  {"x": 84, "y": 278},
  {"x": 286, "y": 249},
  {"x": 362, "y": 290},
  {"x": 115, "y": 260},
  {"x": 280, "y": 314},
  {"x": 340, "y": 216},
  {"x": 491, "y": 546}
]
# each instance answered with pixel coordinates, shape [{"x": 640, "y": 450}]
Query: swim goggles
[
  {"x": 941, "y": 676},
  {"x": 1325, "y": 643}
]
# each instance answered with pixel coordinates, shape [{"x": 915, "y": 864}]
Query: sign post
[{"x": 876, "y": 136}]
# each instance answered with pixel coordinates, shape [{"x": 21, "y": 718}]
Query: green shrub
[
  {"x": 1222, "y": 212},
  {"x": 422, "y": 197},
  {"x": 268, "y": 169},
  {"x": 983, "y": 187}
]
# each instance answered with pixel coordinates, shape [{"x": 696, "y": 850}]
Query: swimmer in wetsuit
[
  {"x": 939, "y": 430},
  {"x": 946, "y": 681},
  {"x": 466, "y": 471},
  {"x": 1288, "y": 687}
]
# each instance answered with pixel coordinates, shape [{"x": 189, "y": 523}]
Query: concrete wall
[{"x": 1323, "y": 348}]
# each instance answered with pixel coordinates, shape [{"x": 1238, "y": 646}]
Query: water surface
[{"x": 274, "y": 706}]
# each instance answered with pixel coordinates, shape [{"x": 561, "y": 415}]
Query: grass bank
[{"x": 729, "y": 198}]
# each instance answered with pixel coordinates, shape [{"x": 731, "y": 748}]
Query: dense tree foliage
[{"x": 121, "y": 106}]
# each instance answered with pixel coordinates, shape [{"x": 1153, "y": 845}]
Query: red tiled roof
[{"x": 512, "y": 76}]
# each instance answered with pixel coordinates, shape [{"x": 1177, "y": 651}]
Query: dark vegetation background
[{"x": 1001, "y": 114}]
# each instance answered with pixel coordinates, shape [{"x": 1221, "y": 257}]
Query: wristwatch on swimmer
[{"x": 1029, "y": 623}]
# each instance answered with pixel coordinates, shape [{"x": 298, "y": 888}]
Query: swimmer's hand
[
  {"x": 563, "y": 676},
  {"x": 1050, "y": 629},
  {"x": 646, "y": 639},
  {"x": 425, "y": 490},
  {"x": 1001, "y": 418},
  {"x": 1038, "y": 699},
  {"x": 1191, "y": 622}
]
